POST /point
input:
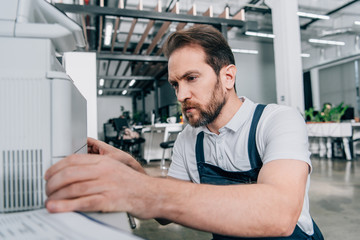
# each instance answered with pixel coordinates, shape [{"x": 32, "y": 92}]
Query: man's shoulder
[
  {"x": 274, "y": 106},
  {"x": 276, "y": 110},
  {"x": 277, "y": 117}
]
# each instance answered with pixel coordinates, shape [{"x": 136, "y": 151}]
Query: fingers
[
  {"x": 89, "y": 185},
  {"x": 93, "y": 145},
  {"x": 91, "y": 141},
  {"x": 73, "y": 160},
  {"x": 73, "y": 174},
  {"x": 99, "y": 147},
  {"x": 87, "y": 203},
  {"x": 78, "y": 189}
]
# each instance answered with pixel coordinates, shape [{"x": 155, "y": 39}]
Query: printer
[{"x": 42, "y": 113}]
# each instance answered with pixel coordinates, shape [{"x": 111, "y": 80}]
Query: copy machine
[{"x": 42, "y": 113}]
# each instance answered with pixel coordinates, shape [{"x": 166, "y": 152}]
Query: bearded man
[{"x": 240, "y": 170}]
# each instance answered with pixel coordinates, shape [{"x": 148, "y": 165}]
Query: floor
[{"x": 334, "y": 203}]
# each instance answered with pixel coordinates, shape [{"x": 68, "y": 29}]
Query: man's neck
[{"x": 227, "y": 113}]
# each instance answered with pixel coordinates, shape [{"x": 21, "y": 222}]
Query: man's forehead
[
  {"x": 192, "y": 48},
  {"x": 185, "y": 59}
]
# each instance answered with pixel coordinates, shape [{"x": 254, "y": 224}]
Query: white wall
[
  {"x": 109, "y": 107},
  {"x": 81, "y": 67},
  {"x": 255, "y": 76},
  {"x": 338, "y": 84}
]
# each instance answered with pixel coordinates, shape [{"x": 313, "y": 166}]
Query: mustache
[{"x": 187, "y": 104}]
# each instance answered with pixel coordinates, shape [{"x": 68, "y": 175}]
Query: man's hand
[
  {"x": 89, "y": 182},
  {"x": 102, "y": 148}
]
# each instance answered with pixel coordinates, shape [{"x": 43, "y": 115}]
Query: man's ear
[{"x": 228, "y": 76}]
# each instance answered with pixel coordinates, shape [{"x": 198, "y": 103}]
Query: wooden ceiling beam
[
  {"x": 147, "y": 30},
  {"x": 192, "y": 11},
  {"x": 101, "y": 27},
  {"x": 161, "y": 32},
  {"x": 144, "y": 35},
  {"x": 131, "y": 30},
  {"x": 156, "y": 16},
  {"x": 225, "y": 13},
  {"x": 164, "y": 27},
  {"x": 117, "y": 25},
  {"x": 240, "y": 15},
  {"x": 208, "y": 13}
]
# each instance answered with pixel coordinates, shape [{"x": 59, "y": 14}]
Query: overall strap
[
  {"x": 254, "y": 156},
  {"x": 199, "y": 148}
]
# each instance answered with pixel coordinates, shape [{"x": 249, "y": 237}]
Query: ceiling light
[
  {"x": 234, "y": 50},
  {"x": 305, "y": 55},
  {"x": 357, "y": 22},
  {"x": 132, "y": 82},
  {"x": 124, "y": 92},
  {"x": 111, "y": 17},
  {"x": 100, "y": 92},
  {"x": 108, "y": 32},
  {"x": 328, "y": 42},
  {"x": 313, "y": 15},
  {"x": 101, "y": 82},
  {"x": 259, "y": 34}
]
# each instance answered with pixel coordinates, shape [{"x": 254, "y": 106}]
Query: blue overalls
[{"x": 211, "y": 174}]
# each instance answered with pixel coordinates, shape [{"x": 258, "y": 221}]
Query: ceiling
[{"x": 128, "y": 35}]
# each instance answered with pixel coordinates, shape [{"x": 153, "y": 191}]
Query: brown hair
[{"x": 217, "y": 50}]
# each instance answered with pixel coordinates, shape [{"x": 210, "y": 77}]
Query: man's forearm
[
  {"x": 228, "y": 210},
  {"x": 263, "y": 209}
]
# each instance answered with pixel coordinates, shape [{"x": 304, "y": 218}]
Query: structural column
[
  {"x": 315, "y": 88},
  {"x": 287, "y": 50},
  {"x": 81, "y": 67},
  {"x": 143, "y": 106},
  {"x": 156, "y": 97}
]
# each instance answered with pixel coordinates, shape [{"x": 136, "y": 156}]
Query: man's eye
[
  {"x": 174, "y": 85},
  {"x": 191, "y": 78}
]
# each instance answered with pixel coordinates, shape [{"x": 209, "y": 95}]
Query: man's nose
[{"x": 183, "y": 93}]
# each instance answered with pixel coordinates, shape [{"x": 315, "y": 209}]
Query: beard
[{"x": 209, "y": 112}]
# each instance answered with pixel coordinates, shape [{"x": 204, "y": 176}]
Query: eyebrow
[{"x": 187, "y": 73}]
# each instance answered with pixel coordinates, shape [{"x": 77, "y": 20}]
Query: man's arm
[
  {"x": 98, "y": 183},
  {"x": 269, "y": 208},
  {"x": 164, "y": 221}
]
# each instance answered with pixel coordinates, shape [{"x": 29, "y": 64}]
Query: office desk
[
  {"x": 40, "y": 224},
  {"x": 154, "y": 135},
  {"x": 116, "y": 219},
  {"x": 324, "y": 132}
]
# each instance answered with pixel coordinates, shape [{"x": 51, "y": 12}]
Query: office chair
[
  {"x": 110, "y": 135},
  {"x": 128, "y": 145},
  {"x": 170, "y": 136},
  {"x": 164, "y": 146}
]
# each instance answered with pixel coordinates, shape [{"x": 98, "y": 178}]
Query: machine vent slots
[{"x": 23, "y": 187}]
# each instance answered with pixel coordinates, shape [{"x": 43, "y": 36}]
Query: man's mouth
[{"x": 188, "y": 109}]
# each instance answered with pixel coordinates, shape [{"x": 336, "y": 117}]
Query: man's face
[{"x": 196, "y": 85}]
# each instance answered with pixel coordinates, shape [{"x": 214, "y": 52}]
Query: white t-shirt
[{"x": 281, "y": 134}]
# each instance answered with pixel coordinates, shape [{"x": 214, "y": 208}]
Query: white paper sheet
[{"x": 39, "y": 224}]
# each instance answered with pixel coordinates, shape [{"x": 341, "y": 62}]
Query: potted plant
[
  {"x": 327, "y": 114},
  {"x": 137, "y": 117}
]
